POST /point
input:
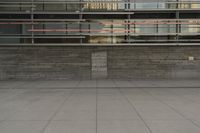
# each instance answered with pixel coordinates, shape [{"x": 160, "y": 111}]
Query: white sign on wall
[{"x": 99, "y": 65}]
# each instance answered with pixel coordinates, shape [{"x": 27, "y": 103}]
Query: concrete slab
[
  {"x": 172, "y": 127},
  {"x": 50, "y": 84},
  {"x": 99, "y": 106},
  {"x": 106, "y": 83},
  {"x": 71, "y": 127},
  {"x": 122, "y": 127},
  {"x": 87, "y": 83},
  {"x": 22, "y": 126}
]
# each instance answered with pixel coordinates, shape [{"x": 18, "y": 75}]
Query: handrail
[
  {"x": 132, "y": 22},
  {"x": 96, "y": 1},
  {"x": 128, "y": 30}
]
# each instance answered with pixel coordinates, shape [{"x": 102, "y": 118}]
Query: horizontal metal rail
[
  {"x": 46, "y": 37},
  {"x": 17, "y": 5},
  {"x": 101, "y": 44},
  {"x": 108, "y": 23},
  {"x": 97, "y": 1},
  {"x": 112, "y": 34},
  {"x": 43, "y": 20},
  {"x": 156, "y": 19},
  {"x": 125, "y": 29},
  {"x": 127, "y": 11},
  {"x": 66, "y": 12}
]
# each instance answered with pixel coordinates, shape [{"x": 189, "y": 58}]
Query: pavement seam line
[
  {"x": 175, "y": 110},
  {"x": 61, "y": 105},
  {"x": 134, "y": 108}
]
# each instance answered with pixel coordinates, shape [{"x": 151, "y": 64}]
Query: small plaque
[
  {"x": 190, "y": 58},
  {"x": 99, "y": 65}
]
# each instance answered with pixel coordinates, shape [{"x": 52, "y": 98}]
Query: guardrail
[
  {"x": 97, "y": 5},
  {"x": 85, "y": 30}
]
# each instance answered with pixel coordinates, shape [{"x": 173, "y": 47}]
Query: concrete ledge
[
  {"x": 104, "y": 45},
  {"x": 99, "y": 84}
]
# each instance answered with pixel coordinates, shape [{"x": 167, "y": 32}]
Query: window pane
[{"x": 55, "y": 7}]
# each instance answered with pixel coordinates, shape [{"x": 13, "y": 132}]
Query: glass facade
[{"x": 99, "y": 21}]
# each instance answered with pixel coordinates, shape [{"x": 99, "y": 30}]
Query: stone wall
[{"x": 75, "y": 62}]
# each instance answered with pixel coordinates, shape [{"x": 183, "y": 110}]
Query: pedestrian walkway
[{"x": 99, "y": 106}]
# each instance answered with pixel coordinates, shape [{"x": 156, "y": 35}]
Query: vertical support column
[
  {"x": 157, "y": 25},
  {"x": 89, "y": 29},
  {"x": 21, "y": 40},
  {"x": 129, "y": 27},
  {"x": 134, "y": 4},
  {"x": 158, "y": 3},
  {"x": 128, "y": 22},
  {"x": 80, "y": 17},
  {"x": 66, "y": 24},
  {"x": 112, "y": 32},
  {"x": 178, "y": 22},
  {"x": 177, "y": 26},
  {"x": 32, "y": 22},
  {"x": 157, "y": 30}
]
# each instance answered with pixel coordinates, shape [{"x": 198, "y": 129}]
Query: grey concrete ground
[{"x": 100, "y": 106}]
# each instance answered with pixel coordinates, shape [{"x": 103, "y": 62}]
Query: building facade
[
  {"x": 99, "y": 21},
  {"x": 73, "y": 39}
]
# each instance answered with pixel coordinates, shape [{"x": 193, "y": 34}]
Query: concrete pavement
[{"x": 99, "y": 106}]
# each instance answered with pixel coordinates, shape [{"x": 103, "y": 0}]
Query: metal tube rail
[{"x": 109, "y": 1}]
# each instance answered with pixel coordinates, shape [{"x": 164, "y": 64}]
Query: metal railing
[
  {"x": 85, "y": 30},
  {"x": 96, "y": 5}
]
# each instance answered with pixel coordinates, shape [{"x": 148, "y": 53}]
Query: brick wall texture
[{"x": 75, "y": 62}]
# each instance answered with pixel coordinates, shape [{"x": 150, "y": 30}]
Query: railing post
[{"x": 32, "y": 22}]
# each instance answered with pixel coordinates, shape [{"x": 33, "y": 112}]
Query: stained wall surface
[{"x": 119, "y": 62}]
